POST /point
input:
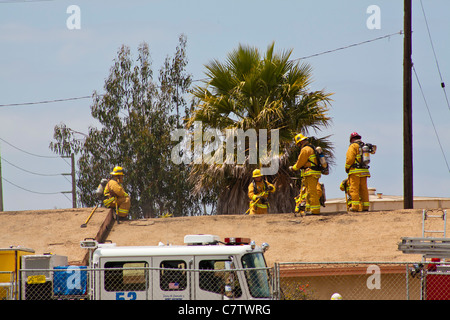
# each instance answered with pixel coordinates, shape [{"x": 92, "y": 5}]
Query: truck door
[
  {"x": 124, "y": 279},
  {"x": 216, "y": 278},
  {"x": 171, "y": 278}
]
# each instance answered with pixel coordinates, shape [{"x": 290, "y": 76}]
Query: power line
[
  {"x": 435, "y": 57},
  {"x": 35, "y": 173},
  {"x": 44, "y": 101},
  {"x": 36, "y": 155},
  {"x": 37, "y": 192},
  {"x": 22, "y": 1},
  {"x": 351, "y": 45},
  {"x": 198, "y": 80},
  {"x": 428, "y": 109}
]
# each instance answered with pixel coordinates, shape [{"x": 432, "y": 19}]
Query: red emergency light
[{"x": 236, "y": 241}]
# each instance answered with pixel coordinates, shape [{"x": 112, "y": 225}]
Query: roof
[
  {"x": 17, "y": 249},
  {"x": 350, "y": 236},
  {"x": 380, "y": 201},
  {"x": 163, "y": 250}
]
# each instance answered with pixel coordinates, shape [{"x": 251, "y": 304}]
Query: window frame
[{"x": 115, "y": 276}]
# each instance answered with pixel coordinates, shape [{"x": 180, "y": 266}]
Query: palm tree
[{"x": 247, "y": 92}]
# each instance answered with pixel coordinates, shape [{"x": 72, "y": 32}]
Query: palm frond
[{"x": 251, "y": 91}]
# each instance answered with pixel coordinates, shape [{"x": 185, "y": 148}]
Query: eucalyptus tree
[{"x": 136, "y": 114}]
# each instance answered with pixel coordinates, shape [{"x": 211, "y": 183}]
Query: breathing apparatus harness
[
  {"x": 262, "y": 200},
  {"x": 321, "y": 165},
  {"x": 365, "y": 149}
]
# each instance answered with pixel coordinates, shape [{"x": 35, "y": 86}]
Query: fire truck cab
[{"x": 203, "y": 269}]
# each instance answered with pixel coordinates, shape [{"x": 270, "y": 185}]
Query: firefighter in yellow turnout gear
[
  {"x": 358, "y": 172},
  {"x": 115, "y": 195},
  {"x": 306, "y": 162},
  {"x": 301, "y": 205},
  {"x": 258, "y": 192},
  {"x": 345, "y": 186}
]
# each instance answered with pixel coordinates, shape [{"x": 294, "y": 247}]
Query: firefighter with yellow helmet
[
  {"x": 308, "y": 162},
  {"x": 258, "y": 192},
  {"x": 345, "y": 186},
  {"x": 115, "y": 195},
  {"x": 301, "y": 204}
]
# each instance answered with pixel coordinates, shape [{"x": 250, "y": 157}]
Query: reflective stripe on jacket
[
  {"x": 113, "y": 190},
  {"x": 306, "y": 159},
  {"x": 259, "y": 188},
  {"x": 352, "y": 159}
]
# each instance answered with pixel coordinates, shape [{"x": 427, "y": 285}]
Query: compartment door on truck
[
  {"x": 125, "y": 279},
  {"x": 171, "y": 278}
]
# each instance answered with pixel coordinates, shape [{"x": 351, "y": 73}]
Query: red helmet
[{"x": 354, "y": 135}]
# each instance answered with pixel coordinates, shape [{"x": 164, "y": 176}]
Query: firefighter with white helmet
[
  {"x": 115, "y": 195},
  {"x": 258, "y": 192},
  {"x": 336, "y": 296},
  {"x": 307, "y": 162}
]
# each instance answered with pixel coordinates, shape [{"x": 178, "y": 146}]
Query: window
[
  {"x": 258, "y": 275},
  {"x": 126, "y": 276},
  {"x": 172, "y": 276},
  {"x": 218, "y": 277}
]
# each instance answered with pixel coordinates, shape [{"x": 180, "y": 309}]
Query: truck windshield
[{"x": 258, "y": 276}]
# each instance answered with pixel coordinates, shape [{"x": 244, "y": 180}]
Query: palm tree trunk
[
  {"x": 235, "y": 200},
  {"x": 282, "y": 201}
]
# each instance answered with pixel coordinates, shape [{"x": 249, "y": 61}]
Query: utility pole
[
  {"x": 1, "y": 184},
  {"x": 74, "y": 186},
  {"x": 407, "y": 110}
]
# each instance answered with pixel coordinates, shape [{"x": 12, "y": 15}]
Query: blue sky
[{"x": 42, "y": 59}]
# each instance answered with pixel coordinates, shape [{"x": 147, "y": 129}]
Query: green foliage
[
  {"x": 251, "y": 90},
  {"x": 136, "y": 116}
]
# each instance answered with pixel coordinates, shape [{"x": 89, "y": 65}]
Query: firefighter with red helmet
[{"x": 356, "y": 165}]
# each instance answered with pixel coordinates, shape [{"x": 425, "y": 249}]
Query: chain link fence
[
  {"x": 285, "y": 281},
  {"x": 7, "y": 285},
  {"x": 59, "y": 283},
  {"x": 137, "y": 281},
  {"x": 363, "y": 281}
]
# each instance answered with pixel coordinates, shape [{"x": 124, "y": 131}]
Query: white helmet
[{"x": 336, "y": 296}]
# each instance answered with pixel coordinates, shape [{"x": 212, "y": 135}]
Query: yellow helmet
[
  {"x": 117, "y": 171},
  {"x": 299, "y": 138},
  {"x": 257, "y": 173}
]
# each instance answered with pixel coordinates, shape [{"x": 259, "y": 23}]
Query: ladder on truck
[
  {"x": 426, "y": 246},
  {"x": 426, "y": 216},
  {"x": 429, "y": 246}
]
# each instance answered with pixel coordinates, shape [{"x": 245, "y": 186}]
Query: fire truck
[
  {"x": 434, "y": 275},
  {"x": 205, "y": 268}
]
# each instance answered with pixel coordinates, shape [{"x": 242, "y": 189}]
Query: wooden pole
[
  {"x": 407, "y": 110},
  {"x": 1, "y": 184},
  {"x": 74, "y": 182}
]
